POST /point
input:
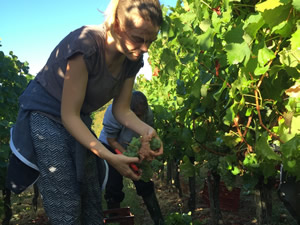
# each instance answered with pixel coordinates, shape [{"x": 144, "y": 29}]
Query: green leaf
[
  {"x": 231, "y": 140},
  {"x": 253, "y": 24},
  {"x": 295, "y": 40},
  {"x": 180, "y": 101},
  {"x": 235, "y": 35},
  {"x": 291, "y": 154},
  {"x": 296, "y": 4},
  {"x": 284, "y": 29},
  {"x": 291, "y": 148},
  {"x": 248, "y": 112},
  {"x": 196, "y": 88},
  {"x": 230, "y": 114},
  {"x": 218, "y": 94},
  {"x": 265, "y": 55},
  {"x": 287, "y": 133},
  {"x": 205, "y": 40},
  {"x": 236, "y": 53},
  {"x": 180, "y": 88},
  {"x": 264, "y": 150},
  {"x": 261, "y": 70},
  {"x": 235, "y": 170},
  {"x": 205, "y": 25},
  {"x": 251, "y": 160},
  {"x": 281, "y": 12},
  {"x": 187, "y": 168},
  {"x": 291, "y": 163},
  {"x": 290, "y": 57},
  {"x": 200, "y": 134},
  {"x": 267, "y": 5},
  {"x": 204, "y": 89}
]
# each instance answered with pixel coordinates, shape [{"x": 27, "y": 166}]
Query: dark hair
[{"x": 139, "y": 102}]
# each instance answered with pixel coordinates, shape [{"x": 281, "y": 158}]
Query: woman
[{"x": 90, "y": 66}]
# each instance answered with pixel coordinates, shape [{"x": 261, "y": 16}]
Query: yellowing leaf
[{"x": 269, "y": 4}]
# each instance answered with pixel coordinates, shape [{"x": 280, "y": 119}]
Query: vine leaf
[
  {"x": 296, "y": 4},
  {"x": 236, "y": 53},
  {"x": 291, "y": 153},
  {"x": 295, "y": 39},
  {"x": 282, "y": 13},
  {"x": 235, "y": 35},
  {"x": 253, "y": 24},
  {"x": 205, "y": 40},
  {"x": 267, "y": 5},
  {"x": 187, "y": 168},
  {"x": 265, "y": 55},
  {"x": 264, "y": 149},
  {"x": 289, "y": 57}
]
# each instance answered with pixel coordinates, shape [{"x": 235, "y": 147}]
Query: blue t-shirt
[{"x": 113, "y": 129}]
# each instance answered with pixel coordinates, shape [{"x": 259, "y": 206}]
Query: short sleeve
[
  {"x": 81, "y": 41},
  {"x": 134, "y": 67}
]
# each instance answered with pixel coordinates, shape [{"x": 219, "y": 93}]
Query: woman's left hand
[{"x": 145, "y": 152}]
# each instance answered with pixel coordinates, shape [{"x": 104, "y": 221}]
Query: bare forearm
[
  {"x": 131, "y": 121},
  {"x": 83, "y": 135},
  {"x": 115, "y": 145}
]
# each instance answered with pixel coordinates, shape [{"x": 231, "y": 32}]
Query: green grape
[
  {"x": 133, "y": 147},
  {"x": 155, "y": 144},
  {"x": 146, "y": 166},
  {"x": 147, "y": 171},
  {"x": 156, "y": 165}
]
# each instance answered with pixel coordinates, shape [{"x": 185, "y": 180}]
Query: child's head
[{"x": 139, "y": 104}]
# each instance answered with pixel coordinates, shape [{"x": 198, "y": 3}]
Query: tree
[{"x": 14, "y": 77}]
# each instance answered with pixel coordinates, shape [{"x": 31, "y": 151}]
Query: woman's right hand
[{"x": 122, "y": 164}]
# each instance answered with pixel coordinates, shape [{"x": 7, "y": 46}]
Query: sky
[{"x": 32, "y": 28}]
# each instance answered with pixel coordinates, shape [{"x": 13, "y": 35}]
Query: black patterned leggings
[{"x": 66, "y": 201}]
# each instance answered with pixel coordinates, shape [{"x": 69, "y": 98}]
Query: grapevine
[{"x": 147, "y": 167}]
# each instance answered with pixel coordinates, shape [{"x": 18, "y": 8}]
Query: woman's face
[{"x": 136, "y": 40}]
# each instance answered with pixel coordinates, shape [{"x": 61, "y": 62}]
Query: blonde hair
[{"x": 149, "y": 10}]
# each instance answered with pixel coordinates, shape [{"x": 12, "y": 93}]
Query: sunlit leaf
[
  {"x": 205, "y": 40},
  {"x": 296, "y": 4},
  {"x": 236, "y": 53},
  {"x": 253, "y": 24},
  {"x": 265, "y": 55},
  {"x": 295, "y": 40},
  {"x": 289, "y": 57},
  {"x": 266, "y": 5}
]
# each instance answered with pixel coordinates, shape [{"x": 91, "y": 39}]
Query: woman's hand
[
  {"x": 122, "y": 164},
  {"x": 145, "y": 152}
]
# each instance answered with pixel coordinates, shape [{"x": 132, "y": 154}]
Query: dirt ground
[{"x": 24, "y": 213}]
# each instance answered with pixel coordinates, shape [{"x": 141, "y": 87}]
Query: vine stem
[
  {"x": 236, "y": 123},
  {"x": 256, "y": 91},
  {"x": 248, "y": 124},
  {"x": 211, "y": 150},
  {"x": 206, "y": 4},
  {"x": 260, "y": 119}
]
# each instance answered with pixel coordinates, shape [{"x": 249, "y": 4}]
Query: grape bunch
[{"x": 146, "y": 166}]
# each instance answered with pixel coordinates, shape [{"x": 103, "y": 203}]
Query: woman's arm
[
  {"x": 122, "y": 112},
  {"x": 73, "y": 95}
]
